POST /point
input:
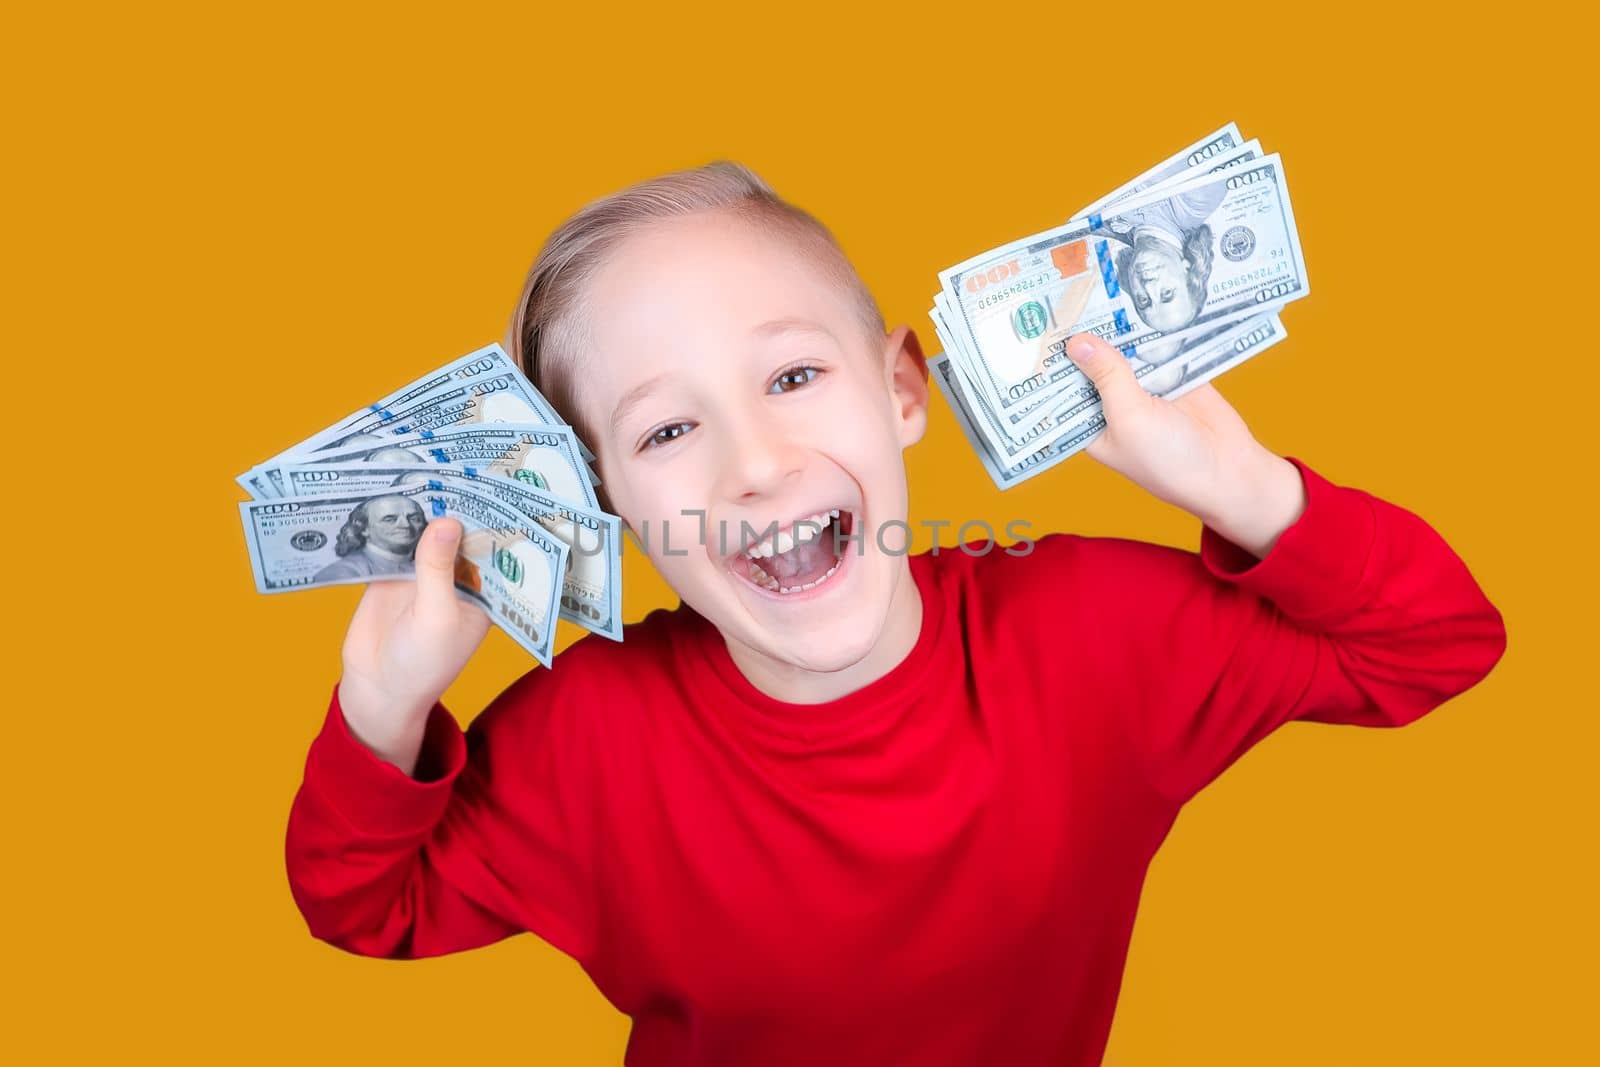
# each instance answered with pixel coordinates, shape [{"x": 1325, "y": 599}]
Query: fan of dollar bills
[
  {"x": 1183, "y": 268},
  {"x": 473, "y": 440}
]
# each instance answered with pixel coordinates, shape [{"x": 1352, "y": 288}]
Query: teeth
[
  {"x": 767, "y": 581},
  {"x": 804, "y": 531},
  {"x": 762, "y": 578}
]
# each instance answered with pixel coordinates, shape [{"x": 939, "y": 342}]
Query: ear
[{"x": 908, "y": 379}]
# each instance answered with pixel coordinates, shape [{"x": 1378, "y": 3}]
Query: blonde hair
[{"x": 546, "y": 336}]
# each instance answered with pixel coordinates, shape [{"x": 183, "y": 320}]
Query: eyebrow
[
  {"x": 632, "y": 398},
  {"x": 791, "y": 325},
  {"x": 774, "y": 328}
]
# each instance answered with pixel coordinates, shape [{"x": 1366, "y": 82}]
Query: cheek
[
  {"x": 859, "y": 433},
  {"x": 661, "y": 505}
]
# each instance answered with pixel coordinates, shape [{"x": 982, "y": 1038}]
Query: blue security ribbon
[{"x": 1108, "y": 269}]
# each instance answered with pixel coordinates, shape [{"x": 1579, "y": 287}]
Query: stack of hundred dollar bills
[
  {"x": 1183, "y": 268},
  {"x": 475, "y": 441}
]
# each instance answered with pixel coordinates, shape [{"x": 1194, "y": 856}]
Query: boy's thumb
[
  {"x": 1105, "y": 367},
  {"x": 436, "y": 560}
]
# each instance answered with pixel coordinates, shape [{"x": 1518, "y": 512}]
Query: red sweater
[{"x": 939, "y": 868}]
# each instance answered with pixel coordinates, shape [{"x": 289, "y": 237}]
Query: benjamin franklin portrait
[
  {"x": 1164, "y": 265},
  {"x": 393, "y": 456},
  {"x": 1165, "y": 262},
  {"x": 379, "y": 538}
]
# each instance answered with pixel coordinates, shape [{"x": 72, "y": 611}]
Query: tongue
[{"x": 802, "y": 563}]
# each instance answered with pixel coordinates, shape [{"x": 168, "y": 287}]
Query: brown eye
[
  {"x": 794, "y": 378},
  {"x": 666, "y": 435}
]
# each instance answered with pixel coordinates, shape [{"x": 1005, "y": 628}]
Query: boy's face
[{"x": 732, "y": 389}]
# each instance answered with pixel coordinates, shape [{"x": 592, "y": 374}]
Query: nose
[{"x": 761, "y": 458}]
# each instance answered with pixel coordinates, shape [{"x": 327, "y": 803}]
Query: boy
[{"x": 843, "y": 805}]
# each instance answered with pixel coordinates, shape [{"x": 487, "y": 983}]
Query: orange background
[{"x": 229, "y": 225}]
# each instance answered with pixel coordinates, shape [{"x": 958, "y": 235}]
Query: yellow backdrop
[{"x": 228, "y": 225}]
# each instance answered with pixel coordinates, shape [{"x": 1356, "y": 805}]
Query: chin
[{"x": 840, "y": 647}]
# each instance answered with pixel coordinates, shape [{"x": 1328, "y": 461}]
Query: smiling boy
[{"x": 844, "y": 804}]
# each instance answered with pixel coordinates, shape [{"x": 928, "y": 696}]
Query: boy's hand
[
  {"x": 1194, "y": 452},
  {"x": 406, "y": 644}
]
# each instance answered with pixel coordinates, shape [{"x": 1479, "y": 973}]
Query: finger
[
  {"x": 436, "y": 568},
  {"x": 1109, "y": 371}
]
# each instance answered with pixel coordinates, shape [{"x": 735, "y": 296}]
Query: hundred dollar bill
[
  {"x": 508, "y": 564},
  {"x": 591, "y": 585},
  {"x": 1034, "y": 418},
  {"x": 1028, "y": 421},
  {"x": 1221, "y": 161},
  {"x": 488, "y": 400},
  {"x": 1178, "y": 165},
  {"x": 499, "y": 389},
  {"x": 1221, "y": 352},
  {"x": 1142, "y": 275},
  {"x": 545, "y": 457},
  {"x": 482, "y": 387},
  {"x": 1206, "y": 156},
  {"x": 1067, "y": 407},
  {"x": 258, "y": 485}
]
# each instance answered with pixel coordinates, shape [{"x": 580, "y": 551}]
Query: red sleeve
[
  {"x": 1359, "y": 614},
  {"x": 485, "y": 842}
]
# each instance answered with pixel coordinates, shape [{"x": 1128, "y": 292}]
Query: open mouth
[{"x": 799, "y": 557}]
